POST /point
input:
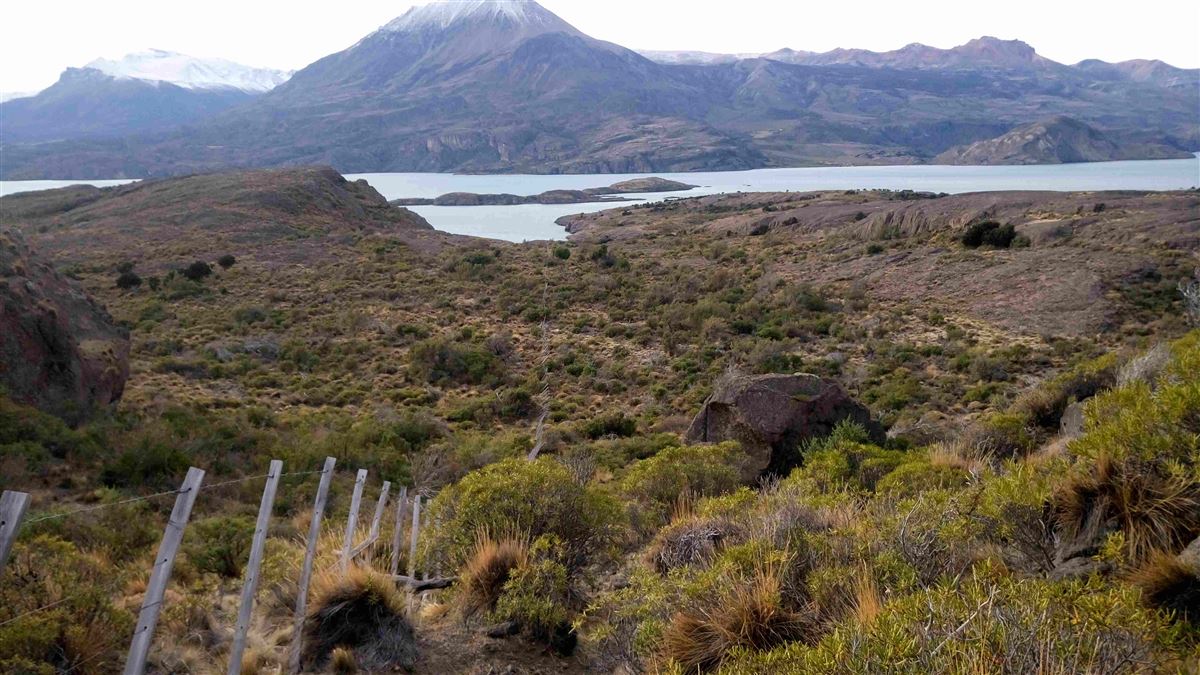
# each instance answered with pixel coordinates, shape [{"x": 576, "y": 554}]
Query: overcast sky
[{"x": 38, "y": 39}]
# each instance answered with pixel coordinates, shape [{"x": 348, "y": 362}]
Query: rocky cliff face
[{"x": 59, "y": 350}]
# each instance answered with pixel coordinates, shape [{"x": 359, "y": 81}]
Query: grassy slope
[{"x": 414, "y": 354}]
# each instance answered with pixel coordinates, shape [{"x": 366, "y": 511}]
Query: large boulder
[
  {"x": 771, "y": 415},
  {"x": 59, "y": 350}
]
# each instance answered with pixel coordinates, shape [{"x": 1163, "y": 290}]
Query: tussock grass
[
  {"x": 752, "y": 617},
  {"x": 1154, "y": 511},
  {"x": 489, "y": 567},
  {"x": 1169, "y": 584},
  {"x": 362, "y": 611}
]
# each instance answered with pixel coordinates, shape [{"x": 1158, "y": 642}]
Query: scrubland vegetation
[{"x": 1026, "y": 514}]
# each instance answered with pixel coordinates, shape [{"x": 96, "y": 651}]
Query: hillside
[
  {"x": 1024, "y": 352},
  {"x": 510, "y": 87},
  {"x": 1060, "y": 140}
]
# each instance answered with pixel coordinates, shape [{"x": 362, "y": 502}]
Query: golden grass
[
  {"x": 1167, "y": 583},
  {"x": 488, "y": 568},
  {"x": 753, "y": 616},
  {"x": 868, "y": 601},
  {"x": 1154, "y": 511}
]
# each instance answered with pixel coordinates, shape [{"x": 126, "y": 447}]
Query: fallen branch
[{"x": 419, "y": 585}]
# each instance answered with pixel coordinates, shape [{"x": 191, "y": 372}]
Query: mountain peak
[
  {"x": 189, "y": 72},
  {"x": 446, "y": 13}
]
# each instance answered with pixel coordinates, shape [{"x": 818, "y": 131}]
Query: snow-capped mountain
[
  {"x": 442, "y": 15},
  {"x": 144, "y": 92},
  {"x": 190, "y": 72}
]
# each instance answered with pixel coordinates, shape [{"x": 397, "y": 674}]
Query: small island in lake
[{"x": 590, "y": 195}]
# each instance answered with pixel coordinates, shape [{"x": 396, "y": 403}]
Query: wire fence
[{"x": 13, "y": 523}]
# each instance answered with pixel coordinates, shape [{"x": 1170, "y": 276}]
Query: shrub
[
  {"x": 56, "y": 610},
  {"x": 562, "y": 252},
  {"x": 226, "y": 261},
  {"x": 219, "y": 545},
  {"x": 694, "y": 470},
  {"x": 988, "y": 233},
  {"x": 986, "y": 623},
  {"x": 537, "y": 597},
  {"x": 128, "y": 280},
  {"x": 613, "y": 425},
  {"x": 197, "y": 271},
  {"x": 442, "y": 360},
  {"x": 1044, "y": 405},
  {"x": 540, "y": 497},
  {"x": 148, "y": 464}
]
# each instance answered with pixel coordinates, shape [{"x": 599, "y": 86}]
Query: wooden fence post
[
  {"x": 250, "y": 578},
  {"x": 12, "y": 510},
  {"x": 352, "y": 519},
  {"x": 310, "y": 553},
  {"x": 412, "y": 547},
  {"x": 139, "y": 648},
  {"x": 373, "y": 533},
  {"x": 398, "y": 533}
]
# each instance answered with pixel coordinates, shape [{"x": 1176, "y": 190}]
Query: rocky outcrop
[
  {"x": 771, "y": 415},
  {"x": 59, "y": 350}
]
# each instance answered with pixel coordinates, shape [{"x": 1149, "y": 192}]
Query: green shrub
[
  {"x": 613, "y": 425},
  {"x": 147, "y": 464},
  {"x": 197, "y": 271},
  {"x": 128, "y": 280},
  {"x": 226, "y": 261},
  {"x": 988, "y": 233},
  {"x": 912, "y": 478},
  {"x": 659, "y": 482},
  {"x": 219, "y": 545},
  {"x": 442, "y": 360},
  {"x": 540, "y": 497}
]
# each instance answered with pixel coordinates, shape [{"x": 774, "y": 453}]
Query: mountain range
[{"x": 507, "y": 86}]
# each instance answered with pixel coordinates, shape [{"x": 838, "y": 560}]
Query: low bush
[
  {"x": 443, "y": 360},
  {"x": 540, "y": 497},
  {"x": 989, "y": 233},
  {"x": 659, "y": 482}
]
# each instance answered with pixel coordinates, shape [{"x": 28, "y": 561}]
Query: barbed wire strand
[{"x": 134, "y": 500}]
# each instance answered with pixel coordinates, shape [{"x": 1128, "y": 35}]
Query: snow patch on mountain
[
  {"x": 443, "y": 14},
  {"x": 189, "y": 72}
]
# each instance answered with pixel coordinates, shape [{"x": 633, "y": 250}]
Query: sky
[{"x": 39, "y": 39}]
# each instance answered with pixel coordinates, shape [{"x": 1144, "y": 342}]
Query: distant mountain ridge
[
  {"x": 189, "y": 72},
  {"x": 508, "y": 86},
  {"x": 144, "y": 92}
]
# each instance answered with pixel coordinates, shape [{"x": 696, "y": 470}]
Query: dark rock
[
  {"x": 60, "y": 351},
  {"x": 504, "y": 630},
  {"x": 770, "y": 415}
]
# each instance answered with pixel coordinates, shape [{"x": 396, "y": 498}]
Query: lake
[{"x": 528, "y": 222}]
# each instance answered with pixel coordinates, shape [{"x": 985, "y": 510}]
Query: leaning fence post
[
  {"x": 310, "y": 553},
  {"x": 373, "y": 533},
  {"x": 250, "y": 578},
  {"x": 398, "y": 533},
  {"x": 412, "y": 547},
  {"x": 12, "y": 510},
  {"x": 352, "y": 519},
  {"x": 139, "y": 649}
]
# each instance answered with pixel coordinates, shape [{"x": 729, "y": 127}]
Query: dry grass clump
[
  {"x": 1169, "y": 584},
  {"x": 689, "y": 542},
  {"x": 343, "y": 662},
  {"x": 754, "y": 617},
  {"x": 1154, "y": 511},
  {"x": 489, "y": 567},
  {"x": 360, "y": 612}
]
